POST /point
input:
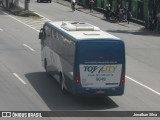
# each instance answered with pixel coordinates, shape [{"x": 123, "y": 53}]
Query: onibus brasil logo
[{"x": 21, "y": 114}]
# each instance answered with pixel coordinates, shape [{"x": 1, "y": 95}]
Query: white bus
[{"x": 86, "y": 60}]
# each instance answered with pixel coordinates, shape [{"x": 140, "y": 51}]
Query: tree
[
  {"x": 7, "y": 3},
  {"x": 11, "y": 2},
  {"x": 26, "y": 4},
  {"x": 16, "y": 2}
]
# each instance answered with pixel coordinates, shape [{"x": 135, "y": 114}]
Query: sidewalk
[{"x": 98, "y": 14}]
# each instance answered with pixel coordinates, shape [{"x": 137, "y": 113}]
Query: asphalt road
[{"x": 25, "y": 85}]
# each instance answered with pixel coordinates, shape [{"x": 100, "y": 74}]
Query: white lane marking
[
  {"x": 42, "y": 16},
  {"x": 143, "y": 85},
  {"x": 28, "y": 47},
  {"x": 19, "y": 78},
  {"x": 1, "y": 29},
  {"x": 21, "y": 22}
]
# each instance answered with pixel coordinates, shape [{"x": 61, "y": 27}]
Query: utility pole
[
  {"x": 26, "y": 6},
  {"x": 16, "y": 3}
]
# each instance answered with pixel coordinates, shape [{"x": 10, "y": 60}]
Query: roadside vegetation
[
  {"x": 14, "y": 8},
  {"x": 19, "y": 11}
]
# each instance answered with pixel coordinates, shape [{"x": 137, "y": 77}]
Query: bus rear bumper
[{"x": 117, "y": 91}]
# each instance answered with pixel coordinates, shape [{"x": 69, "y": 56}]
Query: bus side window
[
  {"x": 48, "y": 36},
  {"x": 57, "y": 46},
  {"x": 69, "y": 50},
  {"x": 60, "y": 44},
  {"x": 53, "y": 41}
]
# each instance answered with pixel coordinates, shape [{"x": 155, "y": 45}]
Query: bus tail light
[
  {"x": 122, "y": 79},
  {"x": 77, "y": 80}
]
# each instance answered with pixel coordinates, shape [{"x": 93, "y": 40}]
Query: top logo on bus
[{"x": 100, "y": 69}]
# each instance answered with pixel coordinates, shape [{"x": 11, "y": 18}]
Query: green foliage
[{"x": 19, "y": 11}]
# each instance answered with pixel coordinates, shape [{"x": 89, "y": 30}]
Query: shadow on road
[
  {"x": 49, "y": 91},
  {"x": 139, "y": 32}
]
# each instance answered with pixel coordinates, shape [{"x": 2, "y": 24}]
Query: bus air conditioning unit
[{"x": 79, "y": 26}]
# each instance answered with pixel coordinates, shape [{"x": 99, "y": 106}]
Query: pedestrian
[
  {"x": 91, "y": 5},
  {"x": 109, "y": 7},
  {"x": 129, "y": 15},
  {"x": 121, "y": 11},
  {"x": 73, "y": 3},
  {"x": 107, "y": 12},
  {"x": 154, "y": 21},
  {"x": 150, "y": 23},
  {"x": 125, "y": 15}
]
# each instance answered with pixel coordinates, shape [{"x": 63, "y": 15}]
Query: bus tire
[
  {"x": 62, "y": 83},
  {"x": 45, "y": 64}
]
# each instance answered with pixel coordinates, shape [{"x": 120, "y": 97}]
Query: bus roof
[{"x": 81, "y": 30}]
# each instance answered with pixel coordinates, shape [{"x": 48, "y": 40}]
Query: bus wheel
[
  {"x": 62, "y": 83},
  {"x": 45, "y": 65},
  {"x": 46, "y": 68}
]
